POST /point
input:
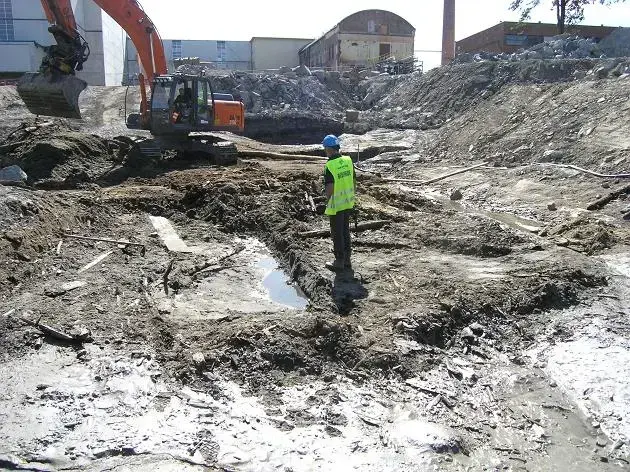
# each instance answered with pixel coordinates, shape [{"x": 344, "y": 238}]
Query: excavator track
[
  {"x": 150, "y": 149},
  {"x": 224, "y": 153},
  {"x": 215, "y": 150}
]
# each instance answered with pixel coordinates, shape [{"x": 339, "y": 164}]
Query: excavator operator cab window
[
  {"x": 182, "y": 103},
  {"x": 160, "y": 97},
  {"x": 204, "y": 110}
]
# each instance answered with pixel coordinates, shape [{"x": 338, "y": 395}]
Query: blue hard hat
[{"x": 331, "y": 141}]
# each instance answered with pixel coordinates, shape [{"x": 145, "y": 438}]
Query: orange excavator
[{"x": 181, "y": 110}]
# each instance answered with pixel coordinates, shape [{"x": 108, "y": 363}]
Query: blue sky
[{"x": 240, "y": 20}]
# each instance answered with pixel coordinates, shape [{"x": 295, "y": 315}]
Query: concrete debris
[
  {"x": 302, "y": 71},
  {"x": 617, "y": 43},
  {"x": 12, "y": 174},
  {"x": 552, "y": 206},
  {"x": 552, "y": 155},
  {"x": 559, "y": 47},
  {"x": 199, "y": 360}
]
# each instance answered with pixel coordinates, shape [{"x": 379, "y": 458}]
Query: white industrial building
[
  {"x": 234, "y": 55},
  {"x": 24, "y": 33},
  {"x": 257, "y": 54}
]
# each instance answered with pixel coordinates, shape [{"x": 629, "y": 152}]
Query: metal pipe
[{"x": 448, "y": 32}]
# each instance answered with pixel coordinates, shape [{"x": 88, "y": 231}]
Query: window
[
  {"x": 221, "y": 51},
  {"x": 177, "y": 49},
  {"x": 371, "y": 26},
  {"x": 522, "y": 40},
  {"x": 515, "y": 39},
  {"x": 6, "y": 21},
  {"x": 161, "y": 92}
]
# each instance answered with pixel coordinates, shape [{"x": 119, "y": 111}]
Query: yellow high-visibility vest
[{"x": 343, "y": 197}]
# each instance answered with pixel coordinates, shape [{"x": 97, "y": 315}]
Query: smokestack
[{"x": 448, "y": 32}]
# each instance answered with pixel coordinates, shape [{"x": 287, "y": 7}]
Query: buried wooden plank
[
  {"x": 320, "y": 233},
  {"x": 437, "y": 179},
  {"x": 96, "y": 261},
  {"x": 105, "y": 240}
]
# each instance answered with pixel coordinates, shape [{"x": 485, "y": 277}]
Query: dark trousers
[{"x": 340, "y": 232}]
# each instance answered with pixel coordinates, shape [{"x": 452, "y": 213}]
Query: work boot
[{"x": 336, "y": 266}]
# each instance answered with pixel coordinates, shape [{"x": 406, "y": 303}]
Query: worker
[
  {"x": 340, "y": 184},
  {"x": 183, "y": 104}
]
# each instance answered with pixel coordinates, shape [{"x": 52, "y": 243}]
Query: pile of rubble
[
  {"x": 298, "y": 89},
  {"x": 564, "y": 46}
]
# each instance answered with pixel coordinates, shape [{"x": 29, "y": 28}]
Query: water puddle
[
  {"x": 278, "y": 285},
  {"x": 249, "y": 282}
]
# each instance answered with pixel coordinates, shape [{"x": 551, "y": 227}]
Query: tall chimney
[{"x": 448, "y": 32}]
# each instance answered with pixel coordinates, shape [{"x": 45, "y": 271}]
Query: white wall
[
  {"x": 19, "y": 57},
  {"x": 29, "y": 22},
  {"x": 114, "y": 40},
  {"x": 237, "y": 54},
  {"x": 105, "y": 37},
  {"x": 273, "y": 53}
]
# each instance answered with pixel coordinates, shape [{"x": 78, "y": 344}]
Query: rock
[
  {"x": 552, "y": 155},
  {"x": 81, "y": 333},
  {"x": 456, "y": 195},
  {"x": 13, "y": 174},
  {"x": 332, "y": 431},
  {"x": 320, "y": 74},
  {"x": 616, "y": 445},
  {"x": 552, "y": 206},
  {"x": 284, "y": 70},
  {"x": 467, "y": 333},
  {"x": 302, "y": 71},
  {"x": 477, "y": 328},
  {"x": 199, "y": 360},
  {"x": 333, "y": 75},
  {"x": 352, "y": 116}
]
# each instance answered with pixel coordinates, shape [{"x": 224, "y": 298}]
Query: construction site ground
[{"x": 485, "y": 325}]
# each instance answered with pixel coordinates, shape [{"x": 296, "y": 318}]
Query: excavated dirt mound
[
  {"x": 429, "y": 100},
  {"x": 55, "y": 158},
  {"x": 581, "y": 123}
]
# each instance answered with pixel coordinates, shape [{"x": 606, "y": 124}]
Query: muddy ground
[{"x": 485, "y": 326}]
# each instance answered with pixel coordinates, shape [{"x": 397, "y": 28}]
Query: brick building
[
  {"x": 362, "y": 38},
  {"x": 509, "y": 37}
]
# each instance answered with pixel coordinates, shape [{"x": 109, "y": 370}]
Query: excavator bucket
[{"x": 51, "y": 95}]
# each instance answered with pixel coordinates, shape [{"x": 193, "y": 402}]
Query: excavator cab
[{"x": 181, "y": 104}]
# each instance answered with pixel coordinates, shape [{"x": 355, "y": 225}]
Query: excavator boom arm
[
  {"x": 59, "y": 12},
  {"x": 143, "y": 33},
  {"x": 55, "y": 91}
]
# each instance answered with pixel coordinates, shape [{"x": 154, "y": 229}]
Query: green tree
[{"x": 568, "y": 12}]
